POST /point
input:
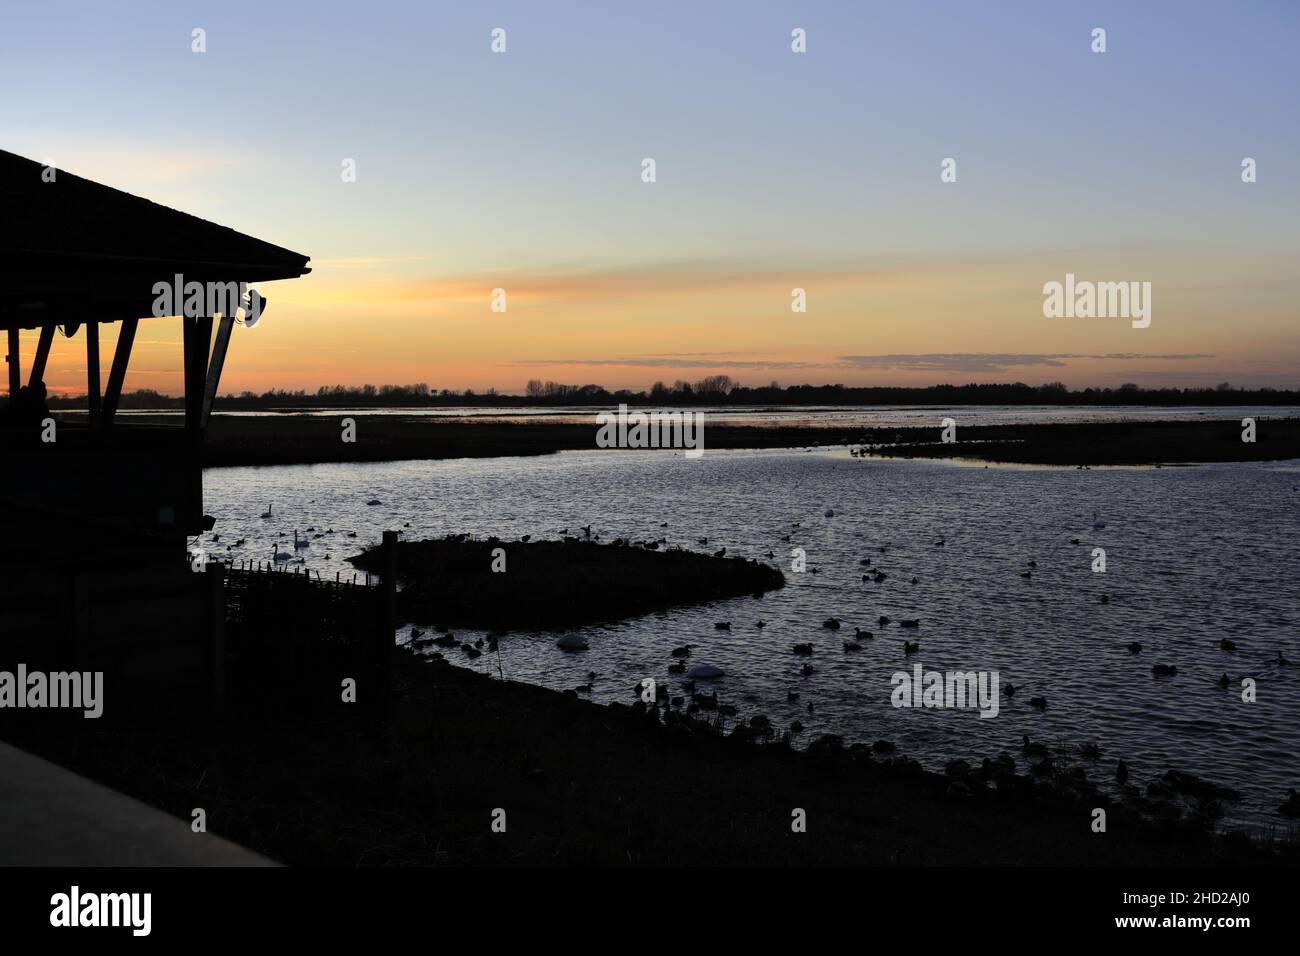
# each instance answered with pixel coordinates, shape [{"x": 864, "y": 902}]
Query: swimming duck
[{"x": 1033, "y": 749}]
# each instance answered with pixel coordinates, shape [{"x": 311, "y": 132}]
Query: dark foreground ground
[
  {"x": 300, "y": 439},
  {"x": 581, "y": 783}
]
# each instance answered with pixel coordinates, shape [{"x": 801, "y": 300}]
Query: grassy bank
[
  {"x": 582, "y": 783},
  {"x": 557, "y": 584}
]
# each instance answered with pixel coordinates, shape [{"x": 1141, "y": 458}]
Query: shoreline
[
  {"x": 587, "y": 784},
  {"x": 298, "y": 440}
]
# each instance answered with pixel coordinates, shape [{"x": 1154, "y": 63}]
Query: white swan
[
  {"x": 299, "y": 543},
  {"x": 280, "y": 556},
  {"x": 267, "y": 513}
]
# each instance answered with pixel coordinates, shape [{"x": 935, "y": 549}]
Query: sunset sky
[{"x": 775, "y": 170}]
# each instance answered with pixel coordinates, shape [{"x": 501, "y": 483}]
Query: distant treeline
[{"x": 717, "y": 390}]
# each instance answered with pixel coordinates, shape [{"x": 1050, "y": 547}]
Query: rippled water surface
[{"x": 1193, "y": 555}]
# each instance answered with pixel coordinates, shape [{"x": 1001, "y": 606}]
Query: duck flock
[
  {"x": 698, "y": 685},
  {"x": 1071, "y": 767}
]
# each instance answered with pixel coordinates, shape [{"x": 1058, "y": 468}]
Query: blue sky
[{"x": 522, "y": 170}]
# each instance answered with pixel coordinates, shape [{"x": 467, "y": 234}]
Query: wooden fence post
[
  {"x": 388, "y": 624},
  {"x": 216, "y": 576}
]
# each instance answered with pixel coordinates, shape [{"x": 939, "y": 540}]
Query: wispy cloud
[
  {"x": 992, "y": 361},
  {"x": 691, "y": 360}
]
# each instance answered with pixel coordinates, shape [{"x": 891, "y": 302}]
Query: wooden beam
[
  {"x": 42, "y": 353},
  {"x": 219, "y": 349},
  {"x": 117, "y": 374},
  {"x": 15, "y": 373},
  {"x": 198, "y": 337},
  {"x": 92, "y": 370}
]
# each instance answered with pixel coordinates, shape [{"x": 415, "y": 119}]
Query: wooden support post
[
  {"x": 92, "y": 370},
  {"x": 198, "y": 335},
  {"x": 15, "y": 374},
  {"x": 116, "y": 375},
  {"x": 219, "y": 348},
  {"x": 42, "y": 353}
]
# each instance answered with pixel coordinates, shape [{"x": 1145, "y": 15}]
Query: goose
[
  {"x": 1026, "y": 574},
  {"x": 830, "y": 513},
  {"x": 852, "y": 646},
  {"x": 860, "y": 634},
  {"x": 806, "y": 670},
  {"x": 720, "y": 554},
  {"x": 1223, "y": 682},
  {"x": 1105, "y": 599},
  {"x": 1134, "y": 647},
  {"x": 683, "y": 651},
  {"x": 882, "y": 620},
  {"x": 1163, "y": 670},
  {"x": 911, "y": 647},
  {"x": 677, "y": 668},
  {"x": 704, "y": 672},
  {"x": 1033, "y": 749},
  {"x": 1227, "y": 645},
  {"x": 833, "y": 623},
  {"x": 372, "y": 502},
  {"x": 913, "y": 622},
  {"x": 761, "y": 624},
  {"x": 803, "y": 650},
  {"x": 1038, "y": 703},
  {"x": 572, "y": 642},
  {"x": 1010, "y": 690},
  {"x": 722, "y": 626}
]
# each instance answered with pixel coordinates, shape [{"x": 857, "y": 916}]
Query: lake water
[{"x": 1194, "y": 555}]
